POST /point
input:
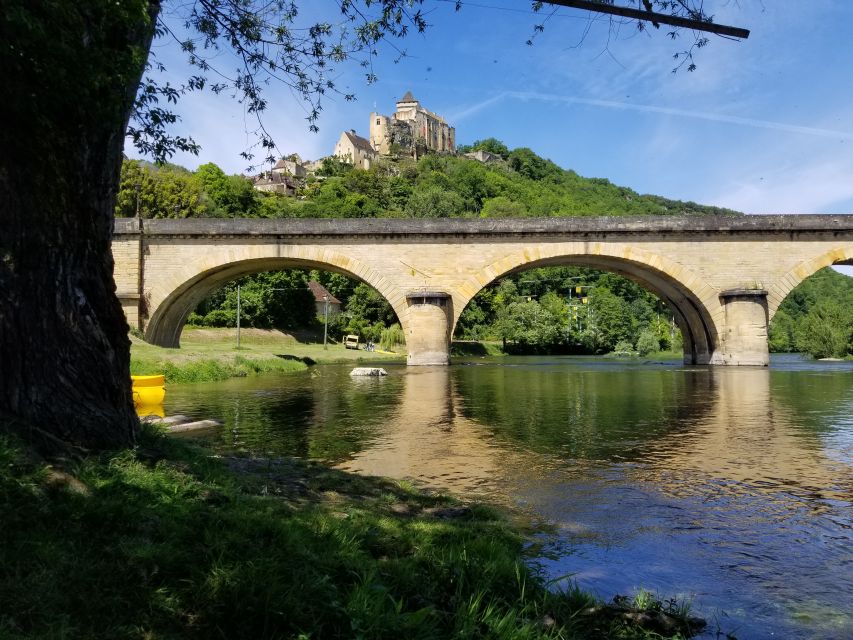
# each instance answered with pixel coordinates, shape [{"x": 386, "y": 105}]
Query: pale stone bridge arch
[
  {"x": 187, "y": 286},
  {"x": 723, "y": 277},
  {"x": 685, "y": 293}
]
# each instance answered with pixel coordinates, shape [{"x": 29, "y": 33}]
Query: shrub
[
  {"x": 648, "y": 342},
  {"x": 623, "y": 348},
  {"x": 220, "y": 318},
  {"x": 392, "y": 337}
]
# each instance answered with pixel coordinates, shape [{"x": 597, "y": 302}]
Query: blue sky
[{"x": 764, "y": 125}]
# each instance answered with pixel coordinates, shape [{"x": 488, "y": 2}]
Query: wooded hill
[{"x": 519, "y": 183}]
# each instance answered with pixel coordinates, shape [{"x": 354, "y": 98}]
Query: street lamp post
[
  {"x": 325, "y": 320},
  {"x": 238, "y": 316}
]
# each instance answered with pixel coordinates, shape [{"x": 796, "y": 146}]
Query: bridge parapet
[{"x": 391, "y": 227}]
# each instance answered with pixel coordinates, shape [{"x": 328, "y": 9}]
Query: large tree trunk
[{"x": 70, "y": 71}]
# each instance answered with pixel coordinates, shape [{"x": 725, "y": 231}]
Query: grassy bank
[
  {"x": 211, "y": 354},
  {"x": 165, "y": 541},
  {"x": 475, "y": 348},
  {"x": 483, "y": 348}
]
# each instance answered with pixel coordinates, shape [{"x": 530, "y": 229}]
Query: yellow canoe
[{"x": 148, "y": 390}]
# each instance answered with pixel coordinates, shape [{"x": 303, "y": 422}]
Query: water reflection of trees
[
  {"x": 324, "y": 414},
  {"x": 589, "y": 411},
  {"x": 819, "y": 401},
  {"x": 724, "y": 423}
]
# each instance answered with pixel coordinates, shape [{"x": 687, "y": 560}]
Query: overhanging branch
[{"x": 651, "y": 16}]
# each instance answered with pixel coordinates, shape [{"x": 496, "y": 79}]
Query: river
[{"x": 730, "y": 487}]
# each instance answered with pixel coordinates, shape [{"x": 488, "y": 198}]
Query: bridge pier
[
  {"x": 427, "y": 325},
  {"x": 743, "y": 339}
]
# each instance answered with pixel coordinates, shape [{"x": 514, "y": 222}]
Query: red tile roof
[{"x": 319, "y": 291}]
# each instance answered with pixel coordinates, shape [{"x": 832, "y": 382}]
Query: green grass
[
  {"x": 208, "y": 355},
  {"x": 654, "y": 355},
  {"x": 210, "y": 370},
  {"x": 472, "y": 348},
  {"x": 167, "y": 541}
]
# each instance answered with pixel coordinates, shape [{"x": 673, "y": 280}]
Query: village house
[
  {"x": 291, "y": 167},
  {"x": 483, "y": 156},
  {"x": 286, "y": 176},
  {"x": 276, "y": 182},
  {"x": 410, "y": 124},
  {"x": 321, "y": 296},
  {"x": 356, "y": 150}
]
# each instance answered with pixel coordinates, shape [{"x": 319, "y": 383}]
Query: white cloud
[
  {"x": 650, "y": 108},
  {"x": 473, "y": 109}
]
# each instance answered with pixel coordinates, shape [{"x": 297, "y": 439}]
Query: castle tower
[{"x": 425, "y": 126}]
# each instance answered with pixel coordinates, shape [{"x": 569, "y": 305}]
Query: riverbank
[
  {"x": 494, "y": 348},
  {"x": 209, "y": 354},
  {"x": 167, "y": 540}
]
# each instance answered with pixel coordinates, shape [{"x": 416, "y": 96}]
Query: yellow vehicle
[
  {"x": 351, "y": 341},
  {"x": 148, "y": 390}
]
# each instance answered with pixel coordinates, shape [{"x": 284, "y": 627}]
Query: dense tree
[
  {"x": 782, "y": 338},
  {"x": 590, "y": 311},
  {"x": 491, "y": 145},
  {"x": 232, "y": 196},
  {"x": 530, "y": 326},
  {"x": 441, "y": 186},
  {"x": 271, "y": 300},
  {"x": 503, "y": 207},
  {"x": 167, "y": 191},
  {"x": 432, "y": 201},
  {"x": 814, "y": 318},
  {"x": 827, "y": 330}
]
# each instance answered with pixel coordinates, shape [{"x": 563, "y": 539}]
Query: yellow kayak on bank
[{"x": 148, "y": 391}]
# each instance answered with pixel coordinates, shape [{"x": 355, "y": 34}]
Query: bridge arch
[
  {"x": 780, "y": 289},
  {"x": 172, "y": 300},
  {"x": 693, "y": 302}
]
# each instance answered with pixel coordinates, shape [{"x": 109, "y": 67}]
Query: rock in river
[{"x": 368, "y": 371}]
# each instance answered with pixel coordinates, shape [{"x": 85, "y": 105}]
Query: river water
[{"x": 731, "y": 487}]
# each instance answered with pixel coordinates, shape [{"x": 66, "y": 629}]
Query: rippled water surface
[{"x": 730, "y": 486}]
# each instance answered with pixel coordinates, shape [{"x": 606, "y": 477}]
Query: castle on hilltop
[
  {"x": 411, "y": 130},
  {"x": 410, "y": 126}
]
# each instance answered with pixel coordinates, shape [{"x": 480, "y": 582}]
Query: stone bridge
[{"x": 723, "y": 277}]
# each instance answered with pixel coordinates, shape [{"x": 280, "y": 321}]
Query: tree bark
[{"x": 70, "y": 70}]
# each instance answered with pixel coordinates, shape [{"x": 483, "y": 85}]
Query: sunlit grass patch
[{"x": 210, "y": 370}]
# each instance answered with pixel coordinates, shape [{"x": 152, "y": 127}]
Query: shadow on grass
[
  {"x": 166, "y": 541},
  {"x": 304, "y": 359}
]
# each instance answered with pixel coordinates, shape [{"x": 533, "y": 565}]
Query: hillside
[{"x": 517, "y": 183}]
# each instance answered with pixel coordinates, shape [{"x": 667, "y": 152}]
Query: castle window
[{"x": 378, "y": 121}]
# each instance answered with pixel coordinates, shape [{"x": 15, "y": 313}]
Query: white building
[{"x": 355, "y": 149}]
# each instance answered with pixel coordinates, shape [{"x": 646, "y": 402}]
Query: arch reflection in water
[{"x": 427, "y": 441}]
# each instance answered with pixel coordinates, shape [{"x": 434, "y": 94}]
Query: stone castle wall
[{"x": 423, "y": 124}]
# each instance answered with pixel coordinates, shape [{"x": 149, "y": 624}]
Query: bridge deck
[{"x": 634, "y": 225}]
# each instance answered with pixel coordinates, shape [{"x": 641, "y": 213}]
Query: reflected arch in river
[
  {"x": 687, "y": 295},
  {"x": 175, "y": 297}
]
